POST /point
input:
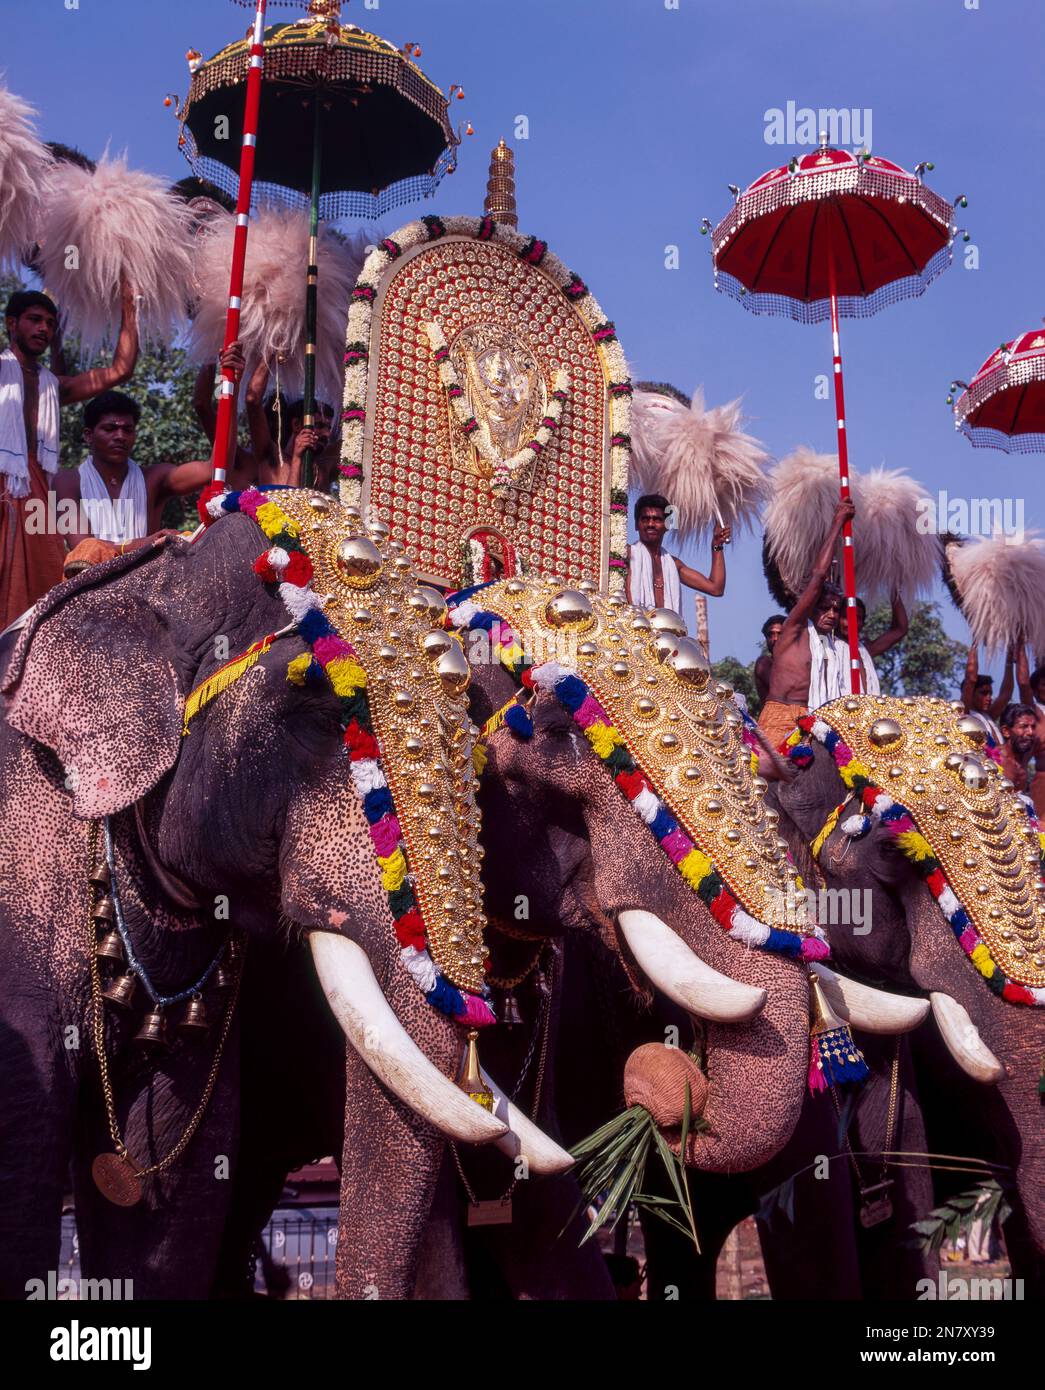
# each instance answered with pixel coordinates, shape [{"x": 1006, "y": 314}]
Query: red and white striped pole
[
  {"x": 848, "y": 559},
  {"x": 226, "y": 399}
]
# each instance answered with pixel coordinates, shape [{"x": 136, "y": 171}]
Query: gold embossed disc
[{"x": 116, "y": 1180}]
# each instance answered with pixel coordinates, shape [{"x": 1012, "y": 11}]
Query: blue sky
[{"x": 639, "y": 116}]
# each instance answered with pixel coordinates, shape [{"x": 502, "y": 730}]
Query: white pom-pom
[{"x": 115, "y": 222}]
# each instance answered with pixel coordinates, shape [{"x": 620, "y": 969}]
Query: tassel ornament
[
  {"x": 222, "y": 678},
  {"x": 833, "y": 1056}
]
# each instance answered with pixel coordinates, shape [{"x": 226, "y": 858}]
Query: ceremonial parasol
[
  {"x": 1003, "y": 407},
  {"x": 394, "y": 137},
  {"x": 828, "y": 236}
]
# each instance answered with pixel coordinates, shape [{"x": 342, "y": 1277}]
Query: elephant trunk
[{"x": 752, "y": 1092}]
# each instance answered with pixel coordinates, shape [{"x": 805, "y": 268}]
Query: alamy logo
[
  {"x": 76, "y": 1343},
  {"x": 104, "y": 1290},
  {"x": 802, "y": 125},
  {"x": 970, "y": 516},
  {"x": 69, "y": 517},
  {"x": 949, "y": 1288}
]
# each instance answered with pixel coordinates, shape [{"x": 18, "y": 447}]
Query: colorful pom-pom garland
[
  {"x": 331, "y": 659},
  {"x": 880, "y": 808}
]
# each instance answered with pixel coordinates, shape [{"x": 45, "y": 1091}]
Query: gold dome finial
[{"x": 500, "y": 189}]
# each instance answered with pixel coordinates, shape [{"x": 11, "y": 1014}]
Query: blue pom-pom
[
  {"x": 571, "y": 692},
  {"x": 663, "y": 823},
  {"x": 315, "y": 625},
  {"x": 785, "y": 943},
  {"x": 377, "y": 803},
  {"x": 314, "y": 674},
  {"x": 446, "y": 997},
  {"x": 518, "y": 720}
]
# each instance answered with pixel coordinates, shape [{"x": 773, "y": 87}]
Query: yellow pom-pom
[
  {"x": 273, "y": 519},
  {"x": 602, "y": 738},
  {"x": 981, "y": 958},
  {"x": 393, "y": 870},
  {"x": 346, "y": 676},
  {"x": 296, "y": 669},
  {"x": 695, "y": 867}
]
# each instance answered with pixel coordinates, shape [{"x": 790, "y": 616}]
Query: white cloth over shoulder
[
  {"x": 868, "y": 675},
  {"x": 126, "y": 518},
  {"x": 824, "y": 680},
  {"x": 14, "y": 447},
  {"x": 640, "y": 567}
]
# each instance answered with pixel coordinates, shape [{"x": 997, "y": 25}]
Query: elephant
[
  {"x": 979, "y": 1087},
  {"x": 247, "y": 821}
]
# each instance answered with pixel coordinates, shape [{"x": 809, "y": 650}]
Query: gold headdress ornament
[
  {"x": 927, "y": 760},
  {"x": 677, "y": 722}
]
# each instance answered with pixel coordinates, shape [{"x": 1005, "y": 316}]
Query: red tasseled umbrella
[
  {"x": 833, "y": 235},
  {"x": 1003, "y": 407}
]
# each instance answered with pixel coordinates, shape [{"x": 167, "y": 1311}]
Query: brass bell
[
  {"x": 509, "y": 1012},
  {"x": 470, "y": 1078},
  {"x": 109, "y": 947},
  {"x": 194, "y": 1024},
  {"x": 223, "y": 976},
  {"x": 120, "y": 991},
  {"x": 104, "y": 910},
  {"x": 153, "y": 1032},
  {"x": 100, "y": 874}
]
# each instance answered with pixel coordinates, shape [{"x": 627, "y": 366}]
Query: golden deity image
[{"x": 487, "y": 407}]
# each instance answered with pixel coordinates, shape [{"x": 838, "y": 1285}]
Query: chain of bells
[{"x": 121, "y": 988}]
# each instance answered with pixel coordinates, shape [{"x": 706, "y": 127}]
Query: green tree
[
  {"x": 926, "y": 662},
  {"x": 741, "y": 678}
]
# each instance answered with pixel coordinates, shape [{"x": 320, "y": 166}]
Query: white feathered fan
[
  {"x": 699, "y": 459},
  {"x": 272, "y": 317},
  {"x": 112, "y": 223},
  {"x": 891, "y": 552},
  {"x": 1001, "y": 583},
  {"x": 25, "y": 163}
]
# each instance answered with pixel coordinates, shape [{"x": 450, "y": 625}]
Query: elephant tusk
[
  {"x": 525, "y": 1139},
  {"x": 872, "y": 1010},
  {"x": 963, "y": 1040},
  {"x": 359, "y": 1005},
  {"x": 680, "y": 974}
]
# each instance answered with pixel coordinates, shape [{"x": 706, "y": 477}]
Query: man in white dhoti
[{"x": 655, "y": 578}]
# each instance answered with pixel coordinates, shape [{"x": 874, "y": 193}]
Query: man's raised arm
[
  {"x": 87, "y": 384},
  {"x": 810, "y": 595}
]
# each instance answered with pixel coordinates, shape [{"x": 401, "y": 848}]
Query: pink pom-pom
[
  {"x": 477, "y": 1013},
  {"x": 814, "y": 949}
]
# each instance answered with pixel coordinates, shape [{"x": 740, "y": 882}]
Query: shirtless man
[
  {"x": 110, "y": 427},
  {"x": 30, "y": 397},
  {"x": 790, "y": 680},
  {"x": 654, "y": 576},
  {"x": 978, "y": 691}
]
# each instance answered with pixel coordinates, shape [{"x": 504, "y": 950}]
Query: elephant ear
[{"x": 93, "y": 678}]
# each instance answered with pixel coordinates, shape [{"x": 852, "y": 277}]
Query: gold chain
[
  {"x": 543, "y": 1026},
  {"x": 98, "y": 1024},
  {"x": 890, "y": 1120}
]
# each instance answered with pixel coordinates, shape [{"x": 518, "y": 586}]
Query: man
[
  {"x": 280, "y": 438},
  {"x": 805, "y": 657},
  {"x": 30, "y": 398},
  {"x": 1032, "y": 688},
  {"x": 124, "y": 502},
  {"x": 978, "y": 691},
  {"x": 654, "y": 577},
  {"x": 1021, "y": 754},
  {"x": 893, "y": 634},
  {"x": 771, "y": 630}
]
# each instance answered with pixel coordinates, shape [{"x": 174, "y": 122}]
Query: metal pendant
[
  {"x": 497, "y": 1212},
  {"x": 116, "y": 1180},
  {"x": 875, "y": 1210}
]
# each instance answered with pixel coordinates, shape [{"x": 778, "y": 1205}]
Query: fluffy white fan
[
  {"x": 891, "y": 553},
  {"x": 272, "y": 317},
  {"x": 699, "y": 459},
  {"x": 112, "y": 222},
  {"x": 25, "y": 163},
  {"x": 1001, "y": 581}
]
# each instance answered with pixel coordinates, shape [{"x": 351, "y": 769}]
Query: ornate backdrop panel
[{"x": 486, "y": 407}]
